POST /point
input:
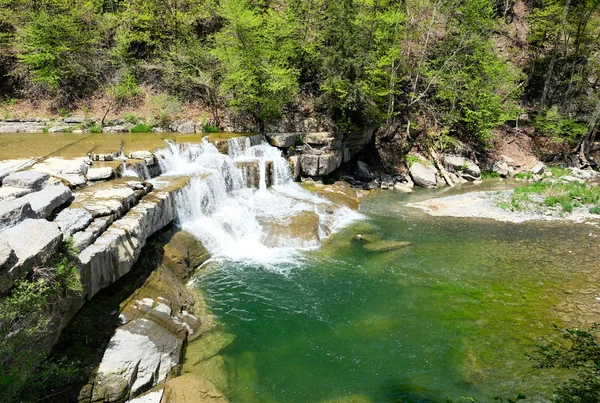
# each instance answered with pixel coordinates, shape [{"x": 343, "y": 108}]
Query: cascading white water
[{"x": 238, "y": 222}]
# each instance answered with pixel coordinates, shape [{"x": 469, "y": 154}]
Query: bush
[
  {"x": 490, "y": 175},
  {"x": 595, "y": 209},
  {"x": 131, "y": 118},
  {"x": 126, "y": 89},
  {"x": 141, "y": 128},
  {"x": 206, "y": 128},
  {"x": 96, "y": 129},
  {"x": 559, "y": 127}
]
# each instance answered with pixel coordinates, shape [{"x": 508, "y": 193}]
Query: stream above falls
[{"x": 452, "y": 314}]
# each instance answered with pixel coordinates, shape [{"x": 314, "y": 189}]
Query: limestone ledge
[{"x": 115, "y": 252}]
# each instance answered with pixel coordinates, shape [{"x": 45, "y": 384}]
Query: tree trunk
[{"x": 585, "y": 145}]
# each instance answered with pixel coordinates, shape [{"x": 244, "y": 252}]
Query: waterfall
[{"x": 240, "y": 222}]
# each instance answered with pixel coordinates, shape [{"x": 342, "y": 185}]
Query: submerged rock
[{"x": 385, "y": 246}]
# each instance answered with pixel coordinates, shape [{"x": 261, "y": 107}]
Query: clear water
[{"x": 451, "y": 315}]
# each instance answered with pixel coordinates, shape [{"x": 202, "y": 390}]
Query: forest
[{"x": 440, "y": 69}]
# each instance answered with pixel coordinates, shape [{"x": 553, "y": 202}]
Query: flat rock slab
[
  {"x": 48, "y": 199},
  {"x": 9, "y": 192},
  {"x": 282, "y": 140},
  {"x": 26, "y": 180},
  {"x": 71, "y": 220},
  {"x": 98, "y": 174},
  {"x": 60, "y": 166},
  {"x": 34, "y": 242},
  {"x": 14, "y": 211}
]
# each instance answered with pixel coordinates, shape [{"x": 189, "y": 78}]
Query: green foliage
[
  {"x": 567, "y": 195},
  {"x": 141, "y": 128},
  {"x": 579, "y": 352},
  {"x": 595, "y": 209},
  {"x": 126, "y": 89},
  {"x": 63, "y": 112},
  {"x": 58, "y": 47},
  {"x": 524, "y": 175},
  {"x": 206, "y": 128},
  {"x": 131, "y": 118},
  {"x": 254, "y": 49},
  {"x": 8, "y": 102},
  {"x": 411, "y": 159},
  {"x": 490, "y": 175},
  {"x": 559, "y": 127},
  {"x": 558, "y": 171},
  {"x": 96, "y": 129},
  {"x": 25, "y": 317}
]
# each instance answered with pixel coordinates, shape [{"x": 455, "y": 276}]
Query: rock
[
  {"x": 569, "y": 178},
  {"x": 34, "y": 243},
  {"x": 14, "y": 211},
  {"x": 191, "y": 388},
  {"x": 62, "y": 168},
  {"x": 318, "y": 165},
  {"x": 72, "y": 220},
  {"x": 44, "y": 202},
  {"x": 151, "y": 397},
  {"x": 147, "y": 156},
  {"x": 7, "y": 256},
  {"x": 469, "y": 178},
  {"x": 282, "y": 140},
  {"x": 74, "y": 120},
  {"x": 9, "y": 192},
  {"x": 538, "y": 169},
  {"x": 422, "y": 176},
  {"x": 115, "y": 129},
  {"x": 26, "y": 180},
  {"x": 385, "y": 246},
  {"x": 186, "y": 127},
  {"x": 98, "y": 174},
  {"x": 501, "y": 168},
  {"x": 453, "y": 177},
  {"x": 363, "y": 172},
  {"x": 458, "y": 164},
  {"x": 402, "y": 187},
  {"x": 9, "y": 166},
  {"x": 59, "y": 128},
  {"x": 139, "y": 356}
]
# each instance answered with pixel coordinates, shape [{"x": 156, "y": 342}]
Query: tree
[{"x": 255, "y": 49}]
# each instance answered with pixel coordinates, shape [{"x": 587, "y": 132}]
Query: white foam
[{"x": 226, "y": 215}]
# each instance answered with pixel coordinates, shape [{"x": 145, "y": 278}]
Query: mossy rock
[{"x": 385, "y": 246}]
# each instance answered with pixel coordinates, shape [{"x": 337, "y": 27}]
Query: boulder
[
  {"x": 34, "y": 243},
  {"x": 26, "y": 180},
  {"x": 462, "y": 165},
  {"x": 48, "y": 199},
  {"x": 9, "y": 192},
  {"x": 72, "y": 220},
  {"x": 185, "y": 127},
  {"x": 422, "y": 176},
  {"x": 309, "y": 165},
  {"x": 14, "y": 211},
  {"x": 363, "y": 172},
  {"x": 402, "y": 187},
  {"x": 501, "y": 168},
  {"x": 282, "y": 140},
  {"x": 59, "y": 128},
  {"x": 139, "y": 355},
  {"x": 538, "y": 169},
  {"x": 98, "y": 174},
  {"x": 115, "y": 129}
]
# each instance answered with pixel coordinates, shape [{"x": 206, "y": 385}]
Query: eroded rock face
[
  {"x": 422, "y": 176},
  {"x": 282, "y": 140},
  {"x": 72, "y": 220}
]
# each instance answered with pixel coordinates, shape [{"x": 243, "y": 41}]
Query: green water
[{"x": 451, "y": 315}]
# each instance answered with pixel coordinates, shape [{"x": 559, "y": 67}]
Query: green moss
[
  {"x": 490, "y": 175},
  {"x": 595, "y": 209}
]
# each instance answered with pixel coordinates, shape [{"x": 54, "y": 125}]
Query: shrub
[
  {"x": 96, "y": 129},
  {"x": 559, "y": 127},
  {"x": 63, "y": 112},
  {"x": 131, "y": 118},
  {"x": 209, "y": 129},
  {"x": 595, "y": 209},
  {"x": 141, "y": 128},
  {"x": 127, "y": 88},
  {"x": 490, "y": 175}
]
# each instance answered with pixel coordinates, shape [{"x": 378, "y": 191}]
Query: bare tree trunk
[{"x": 580, "y": 154}]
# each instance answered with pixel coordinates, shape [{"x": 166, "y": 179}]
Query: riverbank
[{"x": 572, "y": 196}]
